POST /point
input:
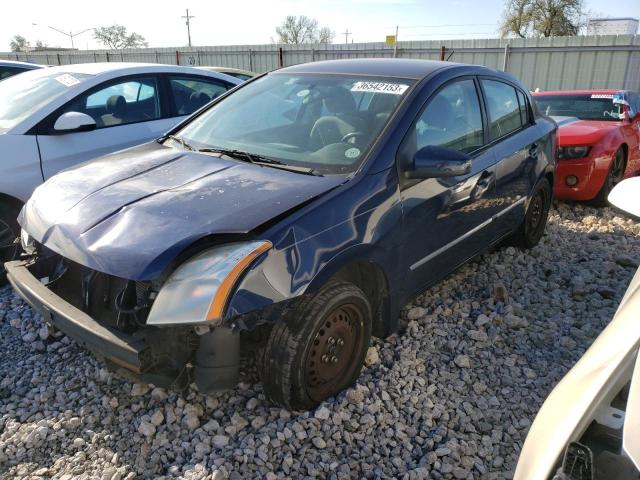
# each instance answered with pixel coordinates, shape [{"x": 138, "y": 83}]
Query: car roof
[
  {"x": 14, "y": 63},
  {"x": 380, "y": 67},
  {"x": 579, "y": 92},
  {"x": 103, "y": 67},
  {"x": 228, "y": 70}
]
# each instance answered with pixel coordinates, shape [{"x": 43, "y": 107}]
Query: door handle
[
  {"x": 533, "y": 150},
  {"x": 482, "y": 185}
]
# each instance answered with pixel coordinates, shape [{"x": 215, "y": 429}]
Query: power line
[
  {"x": 450, "y": 25},
  {"x": 448, "y": 34}
]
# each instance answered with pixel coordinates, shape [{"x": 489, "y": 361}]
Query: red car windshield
[{"x": 582, "y": 106}]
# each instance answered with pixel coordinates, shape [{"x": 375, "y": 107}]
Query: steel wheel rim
[
  {"x": 536, "y": 209},
  {"x": 332, "y": 356},
  {"x": 8, "y": 247}
]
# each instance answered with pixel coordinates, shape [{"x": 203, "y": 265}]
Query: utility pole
[
  {"x": 395, "y": 44},
  {"x": 188, "y": 22},
  {"x": 346, "y": 34}
]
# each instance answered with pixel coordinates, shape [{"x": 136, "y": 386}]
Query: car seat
[
  {"x": 116, "y": 107},
  {"x": 330, "y": 129}
]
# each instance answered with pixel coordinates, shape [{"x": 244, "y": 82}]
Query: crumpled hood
[
  {"x": 129, "y": 213},
  {"x": 573, "y": 131}
]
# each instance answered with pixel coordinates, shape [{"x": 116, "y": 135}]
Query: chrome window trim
[{"x": 466, "y": 235}]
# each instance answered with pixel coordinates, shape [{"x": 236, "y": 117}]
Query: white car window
[{"x": 130, "y": 101}]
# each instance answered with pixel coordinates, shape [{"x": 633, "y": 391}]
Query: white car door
[{"x": 127, "y": 112}]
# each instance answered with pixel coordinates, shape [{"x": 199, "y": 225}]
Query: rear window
[
  {"x": 582, "y": 106},
  {"x": 504, "y": 108}
]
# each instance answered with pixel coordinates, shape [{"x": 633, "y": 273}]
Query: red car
[{"x": 598, "y": 140}]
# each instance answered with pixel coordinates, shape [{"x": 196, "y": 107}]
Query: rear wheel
[
  {"x": 615, "y": 175},
  {"x": 318, "y": 348},
  {"x": 535, "y": 219},
  {"x": 9, "y": 231}
]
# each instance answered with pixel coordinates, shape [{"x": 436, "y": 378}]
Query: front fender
[{"x": 307, "y": 252}]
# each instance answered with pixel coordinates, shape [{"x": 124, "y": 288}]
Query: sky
[{"x": 239, "y": 22}]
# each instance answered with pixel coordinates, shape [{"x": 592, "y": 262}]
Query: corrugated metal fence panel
[{"x": 545, "y": 63}]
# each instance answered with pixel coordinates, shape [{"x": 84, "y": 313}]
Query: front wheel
[
  {"x": 615, "y": 175},
  {"x": 318, "y": 348},
  {"x": 535, "y": 218}
]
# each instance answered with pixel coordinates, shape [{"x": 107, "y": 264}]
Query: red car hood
[{"x": 573, "y": 131}]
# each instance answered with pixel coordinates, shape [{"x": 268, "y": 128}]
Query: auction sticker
[
  {"x": 67, "y": 80},
  {"x": 379, "y": 87}
]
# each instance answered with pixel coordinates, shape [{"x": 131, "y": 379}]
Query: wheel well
[
  {"x": 9, "y": 200},
  {"x": 625, "y": 149},
  {"x": 371, "y": 279}
]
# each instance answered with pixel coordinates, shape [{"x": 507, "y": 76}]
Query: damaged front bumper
[{"x": 170, "y": 357}]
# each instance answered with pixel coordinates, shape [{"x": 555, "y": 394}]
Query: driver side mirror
[
  {"x": 71, "y": 122},
  {"x": 438, "y": 162},
  {"x": 625, "y": 196}
]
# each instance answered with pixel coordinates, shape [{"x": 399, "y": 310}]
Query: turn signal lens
[
  {"x": 571, "y": 180},
  {"x": 219, "y": 302}
]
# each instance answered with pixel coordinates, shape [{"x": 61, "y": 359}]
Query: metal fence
[{"x": 545, "y": 63}]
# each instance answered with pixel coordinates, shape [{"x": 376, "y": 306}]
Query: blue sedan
[{"x": 296, "y": 214}]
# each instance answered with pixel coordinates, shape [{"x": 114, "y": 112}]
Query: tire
[
  {"x": 615, "y": 175},
  {"x": 318, "y": 347},
  {"x": 532, "y": 228},
  {"x": 9, "y": 231}
]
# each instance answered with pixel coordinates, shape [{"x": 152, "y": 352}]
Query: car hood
[
  {"x": 573, "y": 131},
  {"x": 130, "y": 213}
]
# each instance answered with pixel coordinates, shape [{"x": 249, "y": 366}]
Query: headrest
[
  {"x": 116, "y": 105},
  {"x": 339, "y": 100},
  {"x": 198, "y": 99}
]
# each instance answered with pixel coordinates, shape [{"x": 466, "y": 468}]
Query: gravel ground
[{"x": 451, "y": 397}]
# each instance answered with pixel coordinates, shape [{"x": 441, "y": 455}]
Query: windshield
[
  {"x": 23, "y": 94},
  {"x": 323, "y": 122},
  {"x": 584, "y": 106}
]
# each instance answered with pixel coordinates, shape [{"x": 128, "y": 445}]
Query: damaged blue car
[{"x": 293, "y": 216}]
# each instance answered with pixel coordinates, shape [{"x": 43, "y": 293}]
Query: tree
[
  {"x": 542, "y": 18},
  {"x": 19, "y": 44},
  {"x": 116, "y": 37},
  {"x": 325, "y": 35},
  {"x": 40, "y": 45},
  {"x": 297, "y": 30}
]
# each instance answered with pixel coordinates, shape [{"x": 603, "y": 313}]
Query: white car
[
  {"x": 53, "y": 118},
  {"x": 589, "y": 425}
]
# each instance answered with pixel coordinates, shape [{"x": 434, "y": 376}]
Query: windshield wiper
[
  {"x": 260, "y": 160},
  {"x": 181, "y": 141}
]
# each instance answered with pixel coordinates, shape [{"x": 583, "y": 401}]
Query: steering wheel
[{"x": 351, "y": 135}]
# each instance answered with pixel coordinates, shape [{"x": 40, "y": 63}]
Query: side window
[
  {"x": 6, "y": 72},
  {"x": 130, "y": 101},
  {"x": 451, "y": 119},
  {"x": 524, "y": 109},
  {"x": 190, "y": 94},
  {"x": 503, "y": 106}
]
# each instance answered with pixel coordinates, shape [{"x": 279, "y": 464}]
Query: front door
[
  {"x": 447, "y": 220},
  {"x": 127, "y": 112}
]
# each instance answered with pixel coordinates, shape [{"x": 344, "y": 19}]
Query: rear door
[
  {"x": 516, "y": 142},
  {"x": 447, "y": 220},
  {"x": 128, "y": 111}
]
